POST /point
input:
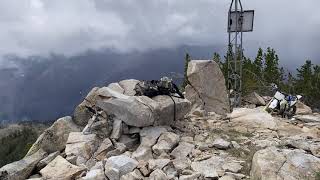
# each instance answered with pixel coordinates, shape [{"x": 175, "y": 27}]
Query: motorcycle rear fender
[{"x": 273, "y": 104}]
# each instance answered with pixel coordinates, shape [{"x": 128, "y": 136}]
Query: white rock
[
  {"x": 207, "y": 87},
  {"x": 103, "y": 149},
  {"x": 134, "y": 175},
  {"x": 182, "y": 150},
  {"x": 252, "y": 119},
  {"x": 158, "y": 175},
  {"x": 82, "y": 113},
  {"x": 200, "y": 137},
  {"x": 157, "y": 163},
  {"x": 128, "y": 86},
  {"x": 122, "y": 163},
  {"x": 107, "y": 93},
  {"x": 170, "y": 111},
  {"x": 198, "y": 112},
  {"x": 208, "y": 168},
  {"x": 302, "y": 108},
  {"x": 308, "y": 118},
  {"x": 227, "y": 177},
  {"x": 119, "y": 149},
  {"x": 264, "y": 143},
  {"x": 315, "y": 149},
  {"x": 60, "y": 168},
  {"x": 135, "y": 111},
  {"x": 20, "y": 170},
  {"x": 55, "y": 137},
  {"x": 221, "y": 143},
  {"x": 187, "y": 139},
  {"x": 232, "y": 167},
  {"x": 98, "y": 165},
  {"x": 190, "y": 177},
  {"x": 78, "y": 137},
  {"x": 255, "y": 98},
  {"x": 166, "y": 142},
  {"x": 181, "y": 163},
  {"x": 96, "y": 174},
  {"x": 142, "y": 153},
  {"x": 47, "y": 160},
  {"x": 112, "y": 173},
  {"x": 116, "y": 87},
  {"x": 117, "y": 129},
  {"x": 170, "y": 172},
  {"x": 82, "y": 146},
  {"x": 149, "y": 135},
  {"x": 143, "y": 167},
  {"x": 273, "y": 163},
  {"x": 235, "y": 145},
  {"x": 142, "y": 111}
]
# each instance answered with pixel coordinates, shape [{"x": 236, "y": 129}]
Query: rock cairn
[{"x": 114, "y": 135}]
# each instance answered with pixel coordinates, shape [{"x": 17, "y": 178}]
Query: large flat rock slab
[
  {"x": 142, "y": 111},
  {"x": 134, "y": 111},
  {"x": 252, "y": 119}
]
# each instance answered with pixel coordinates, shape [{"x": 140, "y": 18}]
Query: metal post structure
[{"x": 235, "y": 53}]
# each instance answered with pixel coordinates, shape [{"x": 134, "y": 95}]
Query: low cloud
[{"x": 41, "y": 27}]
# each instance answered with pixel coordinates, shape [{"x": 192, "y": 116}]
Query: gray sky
[{"x": 38, "y": 27}]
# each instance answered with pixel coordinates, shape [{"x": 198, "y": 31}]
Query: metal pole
[
  {"x": 229, "y": 54},
  {"x": 241, "y": 55},
  {"x": 236, "y": 50},
  {"x": 236, "y": 53}
]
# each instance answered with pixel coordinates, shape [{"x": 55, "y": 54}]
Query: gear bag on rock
[{"x": 152, "y": 88}]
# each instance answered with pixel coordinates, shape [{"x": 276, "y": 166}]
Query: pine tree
[
  {"x": 216, "y": 58},
  {"x": 304, "y": 81},
  {"x": 271, "y": 72},
  {"x": 248, "y": 79},
  {"x": 288, "y": 84},
  {"x": 316, "y": 86},
  {"x": 187, "y": 59},
  {"x": 258, "y": 63}
]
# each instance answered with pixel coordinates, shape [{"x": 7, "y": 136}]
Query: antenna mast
[{"x": 239, "y": 21}]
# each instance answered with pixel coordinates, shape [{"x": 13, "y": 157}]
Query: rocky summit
[{"x": 114, "y": 135}]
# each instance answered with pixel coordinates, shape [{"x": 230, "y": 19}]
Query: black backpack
[{"x": 155, "y": 87}]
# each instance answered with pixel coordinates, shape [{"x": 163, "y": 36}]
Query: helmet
[{"x": 299, "y": 97}]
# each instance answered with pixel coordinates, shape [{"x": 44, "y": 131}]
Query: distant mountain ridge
[{"x": 43, "y": 88}]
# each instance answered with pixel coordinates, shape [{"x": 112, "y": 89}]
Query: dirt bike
[{"x": 283, "y": 104}]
